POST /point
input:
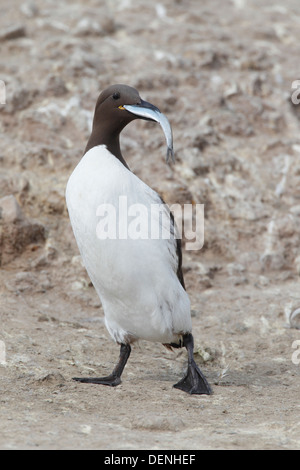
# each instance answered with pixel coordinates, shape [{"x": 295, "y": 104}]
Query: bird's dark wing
[
  {"x": 177, "y": 241},
  {"x": 179, "y": 254}
]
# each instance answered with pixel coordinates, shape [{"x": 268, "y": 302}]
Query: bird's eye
[{"x": 116, "y": 95}]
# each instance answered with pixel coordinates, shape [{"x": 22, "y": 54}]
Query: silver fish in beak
[{"x": 149, "y": 112}]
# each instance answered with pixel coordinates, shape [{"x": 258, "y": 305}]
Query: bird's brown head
[{"x": 117, "y": 106}]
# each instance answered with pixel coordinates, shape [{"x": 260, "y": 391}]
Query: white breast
[{"x": 135, "y": 279}]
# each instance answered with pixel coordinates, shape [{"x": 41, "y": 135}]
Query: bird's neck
[{"x": 111, "y": 139}]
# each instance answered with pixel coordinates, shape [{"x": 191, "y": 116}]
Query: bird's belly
[
  {"x": 140, "y": 297},
  {"x": 134, "y": 278}
]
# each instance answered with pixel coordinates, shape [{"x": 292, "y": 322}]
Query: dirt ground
[{"x": 222, "y": 71}]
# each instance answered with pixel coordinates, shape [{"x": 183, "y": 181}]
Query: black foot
[
  {"x": 114, "y": 378},
  {"x": 194, "y": 382},
  {"x": 111, "y": 380}
]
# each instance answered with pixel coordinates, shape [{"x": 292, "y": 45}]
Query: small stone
[
  {"x": 25, "y": 281},
  {"x": 205, "y": 282},
  {"x": 295, "y": 210},
  {"x": 52, "y": 378},
  {"x": 18, "y": 98},
  {"x": 29, "y": 9},
  {"x": 56, "y": 86},
  {"x": 295, "y": 318},
  {"x": 235, "y": 269},
  {"x": 203, "y": 354},
  {"x": 85, "y": 429},
  {"x": 16, "y": 232},
  {"x": 272, "y": 261},
  {"x": 87, "y": 27},
  {"x": 238, "y": 280},
  {"x": 15, "y": 184},
  {"x": 79, "y": 285},
  {"x": 159, "y": 423},
  {"x": 10, "y": 211},
  {"x": 263, "y": 281},
  {"x": 13, "y": 32},
  {"x": 54, "y": 203}
]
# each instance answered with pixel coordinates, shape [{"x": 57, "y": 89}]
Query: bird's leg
[
  {"x": 114, "y": 378},
  {"x": 194, "y": 382}
]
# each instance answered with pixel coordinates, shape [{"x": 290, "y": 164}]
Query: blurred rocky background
[{"x": 222, "y": 76}]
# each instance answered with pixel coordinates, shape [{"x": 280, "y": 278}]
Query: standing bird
[{"x": 139, "y": 279}]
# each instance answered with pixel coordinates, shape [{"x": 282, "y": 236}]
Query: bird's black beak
[
  {"x": 144, "y": 110},
  {"x": 149, "y": 112}
]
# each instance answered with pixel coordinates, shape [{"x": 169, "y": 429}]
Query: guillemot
[{"x": 139, "y": 280}]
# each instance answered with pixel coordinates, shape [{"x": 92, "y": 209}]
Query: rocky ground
[{"x": 222, "y": 71}]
